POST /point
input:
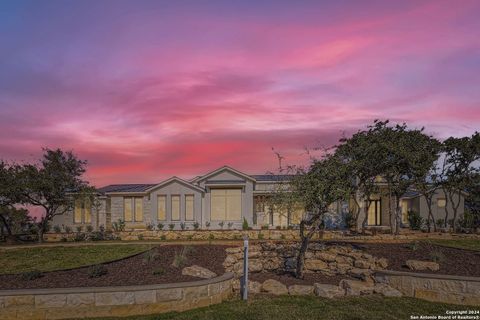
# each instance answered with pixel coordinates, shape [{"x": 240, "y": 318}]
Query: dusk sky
[{"x": 149, "y": 89}]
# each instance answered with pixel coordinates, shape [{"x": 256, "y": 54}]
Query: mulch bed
[
  {"x": 129, "y": 271},
  {"x": 452, "y": 261}
]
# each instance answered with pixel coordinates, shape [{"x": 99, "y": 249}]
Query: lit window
[
  {"x": 127, "y": 209},
  {"x": 77, "y": 217},
  {"x": 441, "y": 203},
  {"x": 226, "y": 204},
  {"x": 139, "y": 209},
  {"x": 162, "y": 208},
  {"x": 189, "y": 207},
  {"x": 175, "y": 207}
]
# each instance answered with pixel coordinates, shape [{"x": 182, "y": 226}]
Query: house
[{"x": 224, "y": 196}]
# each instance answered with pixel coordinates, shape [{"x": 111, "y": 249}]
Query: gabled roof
[
  {"x": 125, "y": 188},
  {"x": 224, "y": 168},
  {"x": 177, "y": 179}
]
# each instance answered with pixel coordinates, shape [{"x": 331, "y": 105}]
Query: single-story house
[{"x": 222, "y": 198}]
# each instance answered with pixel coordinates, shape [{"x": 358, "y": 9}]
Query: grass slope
[
  {"x": 57, "y": 258},
  {"x": 296, "y": 307}
]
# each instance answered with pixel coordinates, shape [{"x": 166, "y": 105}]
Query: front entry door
[{"x": 374, "y": 213}]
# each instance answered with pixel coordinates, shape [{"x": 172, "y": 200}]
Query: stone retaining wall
[
  {"x": 432, "y": 287},
  {"x": 290, "y": 234},
  {"x": 112, "y": 301}
]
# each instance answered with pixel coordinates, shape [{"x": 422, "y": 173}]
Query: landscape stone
[
  {"x": 418, "y": 265},
  {"x": 274, "y": 287},
  {"x": 328, "y": 290},
  {"x": 199, "y": 272},
  {"x": 316, "y": 265},
  {"x": 356, "y": 287},
  {"x": 300, "y": 290}
]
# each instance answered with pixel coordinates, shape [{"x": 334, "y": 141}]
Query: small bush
[
  {"x": 265, "y": 227},
  {"x": 230, "y": 225},
  {"x": 79, "y": 228},
  {"x": 437, "y": 256},
  {"x": 140, "y": 237},
  {"x": 31, "y": 275},
  {"x": 221, "y": 224},
  {"x": 57, "y": 228},
  {"x": 183, "y": 226},
  {"x": 149, "y": 227},
  {"x": 207, "y": 224},
  {"x": 415, "y": 220},
  {"x": 189, "y": 237},
  {"x": 282, "y": 237},
  {"x": 150, "y": 256},
  {"x": 163, "y": 237},
  {"x": 101, "y": 228},
  {"x": 67, "y": 229},
  {"x": 196, "y": 225},
  {"x": 159, "y": 271},
  {"x": 180, "y": 259},
  {"x": 211, "y": 237},
  {"x": 245, "y": 224},
  {"x": 349, "y": 220},
  {"x": 440, "y": 223},
  {"x": 63, "y": 239},
  {"x": 119, "y": 225},
  {"x": 413, "y": 245},
  {"x": 261, "y": 236},
  {"x": 79, "y": 237},
  {"x": 160, "y": 226},
  {"x": 89, "y": 228},
  {"x": 171, "y": 226},
  {"x": 97, "y": 236},
  {"x": 278, "y": 227},
  {"x": 97, "y": 271}
]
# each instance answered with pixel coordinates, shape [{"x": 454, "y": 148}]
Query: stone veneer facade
[
  {"x": 433, "y": 287},
  {"x": 113, "y": 301}
]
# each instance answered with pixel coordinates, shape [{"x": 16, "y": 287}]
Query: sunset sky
[{"x": 149, "y": 89}]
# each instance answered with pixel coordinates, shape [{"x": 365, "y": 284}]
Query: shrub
[
  {"x": 97, "y": 271},
  {"x": 196, "y": 225},
  {"x": 79, "y": 228},
  {"x": 437, "y": 256},
  {"x": 282, "y": 237},
  {"x": 221, "y": 224},
  {"x": 31, "y": 275},
  {"x": 163, "y": 237},
  {"x": 189, "y": 237},
  {"x": 413, "y": 245},
  {"x": 210, "y": 238},
  {"x": 265, "y": 227},
  {"x": 245, "y": 224},
  {"x": 171, "y": 226},
  {"x": 440, "y": 223},
  {"x": 63, "y": 239},
  {"x": 79, "y": 237},
  {"x": 349, "y": 220},
  {"x": 278, "y": 227},
  {"x": 119, "y": 225},
  {"x": 158, "y": 271},
  {"x": 140, "y": 237},
  {"x": 57, "y": 228},
  {"x": 89, "y": 228},
  {"x": 150, "y": 256},
  {"x": 101, "y": 228},
  {"x": 260, "y": 236},
  {"x": 236, "y": 237},
  {"x": 230, "y": 225},
  {"x": 149, "y": 227},
  {"x": 415, "y": 220},
  {"x": 180, "y": 259},
  {"x": 97, "y": 236},
  {"x": 207, "y": 224},
  {"x": 160, "y": 226},
  {"x": 67, "y": 229},
  {"x": 183, "y": 226}
]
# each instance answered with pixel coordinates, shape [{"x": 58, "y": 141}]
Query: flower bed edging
[
  {"x": 64, "y": 303},
  {"x": 433, "y": 287}
]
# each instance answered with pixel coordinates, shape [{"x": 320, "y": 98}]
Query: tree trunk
[
  {"x": 446, "y": 208},
  {"x": 428, "y": 199},
  {"x": 455, "y": 208},
  {"x": 40, "y": 234},
  {"x": 304, "y": 245},
  {"x": 398, "y": 211},
  {"x": 365, "y": 219}
]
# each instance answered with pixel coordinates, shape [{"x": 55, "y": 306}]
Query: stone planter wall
[
  {"x": 293, "y": 234},
  {"x": 326, "y": 259},
  {"x": 432, "y": 287},
  {"x": 112, "y": 301}
]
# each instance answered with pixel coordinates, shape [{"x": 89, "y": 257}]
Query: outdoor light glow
[{"x": 149, "y": 89}]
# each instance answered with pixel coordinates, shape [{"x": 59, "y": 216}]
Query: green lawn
[
  {"x": 62, "y": 257},
  {"x": 471, "y": 244},
  {"x": 290, "y": 307}
]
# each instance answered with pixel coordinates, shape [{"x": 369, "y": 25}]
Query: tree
[
  {"x": 461, "y": 155},
  {"x": 53, "y": 184},
  {"x": 15, "y": 221},
  {"x": 315, "y": 189}
]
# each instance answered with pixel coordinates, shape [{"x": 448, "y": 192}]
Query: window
[
  {"x": 404, "y": 211},
  {"x": 82, "y": 212},
  {"x": 175, "y": 207},
  {"x": 226, "y": 204},
  {"x": 77, "y": 216},
  {"x": 162, "y": 208},
  {"x": 133, "y": 209},
  {"x": 374, "y": 213},
  {"x": 441, "y": 203},
  {"x": 127, "y": 209},
  {"x": 138, "y": 209},
  {"x": 189, "y": 207}
]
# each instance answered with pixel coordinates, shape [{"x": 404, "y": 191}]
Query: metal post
[{"x": 245, "y": 268}]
